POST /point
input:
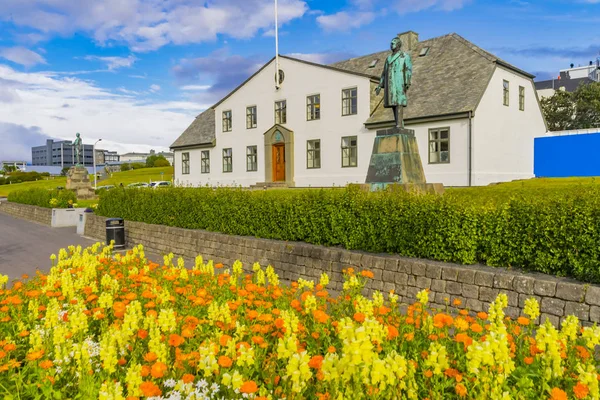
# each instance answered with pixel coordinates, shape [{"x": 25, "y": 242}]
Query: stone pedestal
[
  {"x": 395, "y": 160},
  {"x": 78, "y": 180}
]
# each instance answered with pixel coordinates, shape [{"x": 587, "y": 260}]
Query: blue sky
[{"x": 136, "y": 72}]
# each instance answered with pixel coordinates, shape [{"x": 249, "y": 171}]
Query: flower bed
[{"x": 120, "y": 327}]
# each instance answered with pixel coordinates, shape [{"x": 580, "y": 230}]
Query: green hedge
[
  {"x": 558, "y": 235},
  {"x": 42, "y": 197}
]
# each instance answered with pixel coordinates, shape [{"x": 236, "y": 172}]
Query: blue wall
[{"x": 570, "y": 155}]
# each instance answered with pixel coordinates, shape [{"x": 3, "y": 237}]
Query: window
[
  {"x": 313, "y": 107},
  {"x": 205, "y": 162},
  {"x": 185, "y": 163},
  {"x": 280, "y": 112},
  {"x": 521, "y": 98},
  {"x": 251, "y": 164},
  {"x": 506, "y": 91},
  {"x": 439, "y": 146},
  {"x": 250, "y": 117},
  {"x": 313, "y": 154},
  {"x": 227, "y": 121},
  {"x": 349, "y": 101},
  {"x": 227, "y": 160},
  {"x": 349, "y": 151}
]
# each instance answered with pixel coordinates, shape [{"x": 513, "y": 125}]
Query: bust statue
[
  {"x": 395, "y": 80},
  {"x": 78, "y": 147}
]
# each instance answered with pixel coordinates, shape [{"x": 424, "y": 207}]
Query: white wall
[
  {"x": 453, "y": 173},
  {"x": 301, "y": 80},
  {"x": 503, "y": 136}
]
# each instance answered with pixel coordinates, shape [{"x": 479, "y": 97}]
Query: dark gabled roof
[
  {"x": 200, "y": 133},
  {"x": 569, "y": 84},
  {"x": 450, "y": 79}
]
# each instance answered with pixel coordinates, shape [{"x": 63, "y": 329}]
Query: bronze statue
[
  {"x": 78, "y": 147},
  {"x": 395, "y": 80}
]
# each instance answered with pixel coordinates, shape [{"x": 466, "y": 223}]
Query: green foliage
[
  {"x": 138, "y": 165},
  {"x": 152, "y": 160},
  {"x": 125, "y": 167},
  {"x": 577, "y": 110},
  {"x": 556, "y": 234},
  {"x": 19, "y": 176},
  {"x": 161, "y": 162},
  {"x": 43, "y": 198},
  {"x": 63, "y": 172}
]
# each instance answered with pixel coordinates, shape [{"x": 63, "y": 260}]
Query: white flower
[{"x": 170, "y": 383}]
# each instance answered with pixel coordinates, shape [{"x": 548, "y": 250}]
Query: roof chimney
[{"x": 409, "y": 40}]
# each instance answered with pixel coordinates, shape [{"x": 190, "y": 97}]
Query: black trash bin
[{"x": 115, "y": 230}]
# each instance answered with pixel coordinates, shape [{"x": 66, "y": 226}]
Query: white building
[
  {"x": 141, "y": 157},
  {"x": 474, "y": 116},
  {"x": 569, "y": 79}
]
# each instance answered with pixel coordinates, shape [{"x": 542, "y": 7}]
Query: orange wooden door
[{"x": 279, "y": 162}]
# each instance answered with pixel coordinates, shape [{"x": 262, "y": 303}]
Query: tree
[
  {"x": 151, "y": 160},
  {"x": 577, "y": 110},
  {"x": 125, "y": 167},
  {"x": 63, "y": 172},
  {"x": 137, "y": 165},
  {"x": 161, "y": 162}
]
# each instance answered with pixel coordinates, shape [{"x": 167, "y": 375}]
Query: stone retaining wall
[
  {"x": 37, "y": 214},
  {"x": 475, "y": 286}
]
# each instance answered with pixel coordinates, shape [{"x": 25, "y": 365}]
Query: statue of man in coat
[{"x": 395, "y": 80}]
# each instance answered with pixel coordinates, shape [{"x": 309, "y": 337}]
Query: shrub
[
  {"x": 18, "y": 177},
  {"x": 43, "y": 198},
  {"x": 557, "y": 235},
  {"x": 137, "y": 165},
  {"x": 124, "y": 327},
  {"x": 161, "y": 162},
  {"x": 125, "y": 167}
]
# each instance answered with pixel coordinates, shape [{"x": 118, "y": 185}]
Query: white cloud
[
  {"x": 66, "y": 105},
  {"x": 21, "y": 55},
  {"x": 17, "y": 141},
  {"x": 150, "y": 24},
  {"x": 154, "y": 88},
  {"x": 408, "y": 6},
  {"x": 114, "y": 63},
  {"x": 345, "y": 21},
  {"x": 195, "y": 87}
]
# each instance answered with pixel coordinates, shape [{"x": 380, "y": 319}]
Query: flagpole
[{"x": 276, "y": 49}]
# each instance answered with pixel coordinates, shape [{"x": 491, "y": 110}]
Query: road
[{"x": 26, "y": 246}]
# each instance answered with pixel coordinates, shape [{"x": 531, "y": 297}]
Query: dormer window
[
  {"x": 373, "y": 63},
  {"x": 424, "y": 52}
]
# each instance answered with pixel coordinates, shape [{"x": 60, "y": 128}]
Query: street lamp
[{"x": 94, "y": 154}]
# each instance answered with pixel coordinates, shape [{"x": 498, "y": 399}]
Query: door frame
[
  {"x": 274, "y": 147},
  {"x": 271, "y": 138}
]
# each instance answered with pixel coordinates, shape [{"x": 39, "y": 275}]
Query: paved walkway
[{"x": 26, "y": 246}]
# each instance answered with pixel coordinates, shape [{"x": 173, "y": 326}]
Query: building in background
[
  {"x": 105, "y": 157},
  {"x": 60, "y": 153},
  {"x": 141, "y": 157},
  {"x": 569, "y": 79},
  {"x": 19, "y": 165},
  {"x": 475, "y": 118}
]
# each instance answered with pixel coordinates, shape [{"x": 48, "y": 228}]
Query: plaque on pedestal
[{"x": 79, "y": 181}]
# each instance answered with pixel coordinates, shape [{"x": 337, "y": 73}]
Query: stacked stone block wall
[
  {"x": 475, "y": 286},
  {"x": 37, "y": 214}
]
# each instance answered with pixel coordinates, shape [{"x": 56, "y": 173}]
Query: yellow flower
[
  {"x": 298, "y": 371},
  {"x": 532, "y": 308},
  {"x": 423, "y": 296}
]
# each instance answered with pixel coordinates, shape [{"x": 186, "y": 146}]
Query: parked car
[
  {"x": 106, "y": 187},
  {"x": 138, "y": 184},
  {"x": 159, "y": 184}
]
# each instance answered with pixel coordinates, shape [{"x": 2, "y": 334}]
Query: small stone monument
[
  {"x": 395, "y": 158},
  {"x": 77, "y": 177}
]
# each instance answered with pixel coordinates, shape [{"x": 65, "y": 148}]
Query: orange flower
[
  {"x": 175, "y": 340},
  {"x": 460, "y": 390},
  {"x": 46, "y": 364},
  {"x": 523, "y": 321},
  {"x": 142, "y": 334},
  {"x": 320, "y": 316},
  {"x": 392, "y": 332},
  {"x": 149, "y": 389},
  {"x": 428, "y": 373},
  {"x": 35, "y": 355},
  {"x": 409, "y": 336},
  {"x": 331, "y": 349},
  {"x": 24, "y": 333},
  {"x": 224, "y": 339},
  {"x": 558, "y": 394},
  {"x": 367, "y": 274},
  {"x": 316, "y": 362},
  {"x": 482, "y": 315},
  {"x": 476, "y": 328},
  {"x": 150, "y": 357},
  {"x": 457, "y": 302},
  {"x": 528, "y": 360},
  {"x": 158, "y": 369},
  {"x": 359, "y": 317},
  {"x": 187, "y": 378},
  {"x": 249, "y": 387},
  {"x": 145, "y": 371},
  {"x": 225, "y": 362},
  {"x": 581, "y": 390}
]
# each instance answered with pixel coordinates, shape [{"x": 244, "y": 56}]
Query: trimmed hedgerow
[
  {"x": 558, "y": 235},
  {"x": 43, "y": 197}
]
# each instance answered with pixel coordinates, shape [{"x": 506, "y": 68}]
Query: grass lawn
[{"x": 127, "y": 177}]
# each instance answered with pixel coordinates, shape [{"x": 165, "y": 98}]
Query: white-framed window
[
  {"x": 506, "y": 92},
  {"x": 185, "y": 163},
  {"x": 313, "y": 107},
  {"x": 280, "y": 112},
  {"x": 439, "y": 146},
  {"x": 251, "y": 158},
  {"x": 205, "y": 162},
  {"x": 349, "y": 151},
  {"x": 313, "y": 154},
  {"x": 521, "y": 98},
  {"x": 349, "y": 101},
  {"x": 227, "y": 125},
  {"x": 250, "y": 117},
  {"x": 227, "y": 160}
]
